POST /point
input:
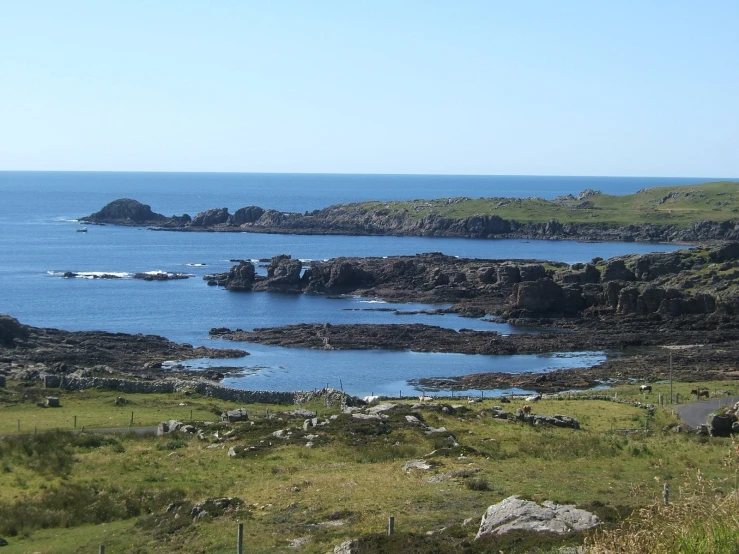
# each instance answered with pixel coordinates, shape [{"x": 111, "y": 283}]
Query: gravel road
[{"x": 695, "y": 413}]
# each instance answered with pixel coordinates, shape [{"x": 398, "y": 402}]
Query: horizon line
[{"x": 379, "y": 174}]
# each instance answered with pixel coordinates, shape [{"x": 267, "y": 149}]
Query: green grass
[
  {"x": 353, "y": 475},
  {"x": 97, "y": 409},
  {"x": 676, "y": 205}
]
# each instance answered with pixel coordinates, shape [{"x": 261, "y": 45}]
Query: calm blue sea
[{"x": 38, "y": 240}]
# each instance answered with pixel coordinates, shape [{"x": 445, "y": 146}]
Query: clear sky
[{"x": 647, "y": 88}]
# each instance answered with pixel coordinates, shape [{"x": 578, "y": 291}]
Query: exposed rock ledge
[{"x": 26, "y": 348}]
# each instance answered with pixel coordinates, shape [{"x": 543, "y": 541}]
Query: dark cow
[
  {"x": 700, "y": 393},
  {"x": 645, "y": 388}
]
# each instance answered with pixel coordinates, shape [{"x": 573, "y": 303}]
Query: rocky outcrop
[
  {"x": 126, "y": 212},
  {"x": 211, "y": 218},
  {"x": 249, "y": 214},
  {"x": 11, "y": 330},
  {"x": 513, "y": 513},
  {"x": 64, "y": 352}
]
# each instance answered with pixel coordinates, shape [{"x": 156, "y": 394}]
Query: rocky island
[{"x": 692, "y": 213}]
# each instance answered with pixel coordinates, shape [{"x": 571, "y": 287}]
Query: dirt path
[{"x": 695, "y": 413}]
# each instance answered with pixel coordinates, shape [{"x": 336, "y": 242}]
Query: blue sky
[{"x": 401, "y": 86}]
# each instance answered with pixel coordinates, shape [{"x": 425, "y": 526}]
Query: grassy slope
[
  {"x": 713, "y": 201},
  {"x": 363, "y": 483}
]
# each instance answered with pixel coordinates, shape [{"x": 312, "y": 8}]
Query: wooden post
[
  {"x": 75, "y": 422},
  {"x": 341, "y": 384},
  {"x": 191, "y": 415},
  {"x": 240, "y": 539},
  {"x": 102, "y": 549},
  {"x": 19, "y": 425},
  {"x": 666, "y": 493},
  {"x": 677, "y": 398},
  {"x": 390, "y": 525},
  {"x": 659, "y": 400},
  {"x": 131, "y": 418}
]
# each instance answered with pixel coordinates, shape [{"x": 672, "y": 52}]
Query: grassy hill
[{"x": 678, "y": 205}]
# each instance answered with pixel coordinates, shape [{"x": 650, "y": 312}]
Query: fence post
[
  {"x": 131, "y": 424},
  {"x": 102, "y": 549},
  {"x": 75, "y": 422},
  {"x": 240, "y": 539},
  {"x": 677, "y": 398},
  {"x": 390, "y": 525},
  {"x": 19, "y": 425},
  {"x": 666, "y": 493}
]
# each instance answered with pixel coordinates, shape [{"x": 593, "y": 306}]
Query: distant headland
[{"x": 691, "y": 213}]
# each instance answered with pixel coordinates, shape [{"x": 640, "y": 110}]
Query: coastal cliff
[{"x": 696, "y": 213}]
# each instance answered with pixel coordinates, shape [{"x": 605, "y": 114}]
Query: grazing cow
[
  {"x": 425, "y": 398},
  {"x": 703, "y": 393},
  {"x": 694, "y": 391},
  {"x": 527, "y": 409},
  {"x": 645, "y": 388}
]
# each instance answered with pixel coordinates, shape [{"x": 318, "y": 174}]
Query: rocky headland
[
  {"x": 28, "y": 352},
  {"x": 688, "y": 214}
]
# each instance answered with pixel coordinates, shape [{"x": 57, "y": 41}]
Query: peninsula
[{"x": 693, "y": 213}]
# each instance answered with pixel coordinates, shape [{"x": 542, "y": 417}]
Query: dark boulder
[
  {"x": 10, "y": 330},
  {"x": 532, "y": 272},
  {"x": 726, "y": 252},
  {"x": 241, "y": 277},
  {"x": 721, "y": 424},
  {"x": 126, "y": 211},
  {"x": 248, "y": 214},
  {"x": 208, "y": 218},
  {"x": 283, "y": 270},
  {"x": 508, "y": 274},
  {"x": 539, "y": 296},
  {"x": 488, "y": 275},
  {"x": 616, "y": 270}
]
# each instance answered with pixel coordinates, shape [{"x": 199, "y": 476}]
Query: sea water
[{"x": 38, "y": 238}]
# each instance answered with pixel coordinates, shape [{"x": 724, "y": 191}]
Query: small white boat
[{"x": 82, "y": 230}]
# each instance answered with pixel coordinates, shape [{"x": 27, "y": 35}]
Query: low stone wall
[{"x": 206, "y": 389}]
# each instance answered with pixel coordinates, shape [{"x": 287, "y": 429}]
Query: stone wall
[{"x": 206, "y": 389}]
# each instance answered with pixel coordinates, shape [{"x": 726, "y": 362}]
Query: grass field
[
  {"x": 64, "y": 493},
  {"x": 678, "y": 205}
]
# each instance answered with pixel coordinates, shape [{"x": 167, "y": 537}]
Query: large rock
[
  {"x": 514, "y": 513},
  {"x": 248, "y": 214},
  {"x": 508, "y": 274},
  {"x": 208, "y": 218},
  {"x": 235, "y": 415},
  {"x": 283, "y": 270},
  {"x": 539, "y": 296},
  {"x": 616, "y": 270},
  {"x": 126, "y": 211},
  {"x": 241, "y": 277},
  {"x": 10, "y": 330},
  {"x": 721, "y": 424},
  {"x": 532, "y": 272}
]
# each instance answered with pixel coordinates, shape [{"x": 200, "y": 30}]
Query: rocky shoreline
[
  {"x": 377, "y": 219},
  {"x": 28, "y": 352},
  {"x": 633, "y": 307}
]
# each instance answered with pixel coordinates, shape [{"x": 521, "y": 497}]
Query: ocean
[{"x": 38, "y": 238}]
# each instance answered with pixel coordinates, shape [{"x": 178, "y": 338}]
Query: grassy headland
[{"x": 678, "y": 205}]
